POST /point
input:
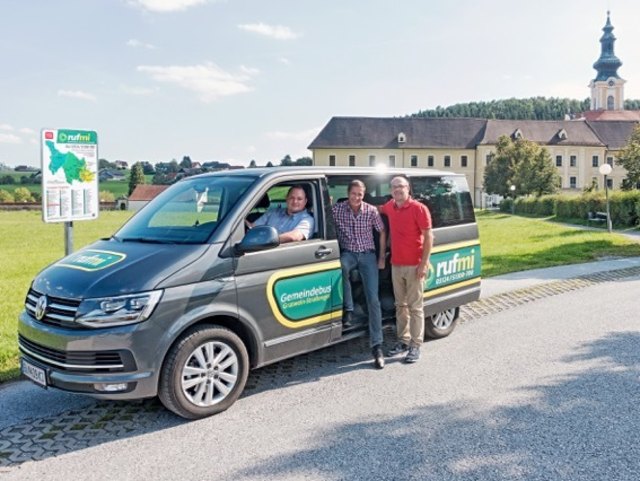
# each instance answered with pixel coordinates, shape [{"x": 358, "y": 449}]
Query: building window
[
  {"x": 594, "y": 161},
  {"x": 609, "y": 182},
  {"x": 488, "y": 158},
  {"x": 352, "y": 161},
  {"x": 392, "y": 161},
  {"x": 610, "y": 161},
  {"x": 558, "y": 161},
  {"x": 414, "y": 161},
  {"x": 610, "y": 102},
  {"x": 594, "y": 182},
  {"x": 463, "y": 161},
  {"x": 447, "y": 161},
  {"x": 572, "y": 161},
  {"x": 372, "y": 160},
  {"x": 332, "y": 160},
  {"x": 572, "y": 182},
  {"x": 430, "y": 161}
]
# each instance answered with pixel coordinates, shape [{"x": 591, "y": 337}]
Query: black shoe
[
  {"x": 347, "y": 319},
  {"x": 378, "y": 357}
]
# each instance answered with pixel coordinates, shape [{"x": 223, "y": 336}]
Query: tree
[
  {"x": 22, "y": 194},
  {"x": 252, "y": 164},
  {"x": 523, "y": 164},
  {"x": 7, "y": 179},
  {"x": 147, "y": 168},
  {"x": 304, "y": 161},
  {"x": 186, "y": 162},
  {"x": 629, "y": 158},
  {"x": 107, "y": 196},
  {"x": 269, "y": 164},
  {"x": 105, "y": 164},
  {"x": 136, "y": 176},
  {"x": 286, "y": 161}
]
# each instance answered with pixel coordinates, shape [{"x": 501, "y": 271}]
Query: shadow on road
[{"x": 574, "y": 429}]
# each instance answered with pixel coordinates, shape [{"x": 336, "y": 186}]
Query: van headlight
[{"x": 118, "y": 310}]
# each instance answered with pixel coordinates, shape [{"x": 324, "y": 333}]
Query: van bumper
[{"x": 69, "y": 361}]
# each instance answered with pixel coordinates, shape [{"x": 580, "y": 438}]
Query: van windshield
[{"x": 187, "y": 213}]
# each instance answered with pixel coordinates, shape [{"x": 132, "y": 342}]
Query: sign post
[{"x": 69, "y": 165}]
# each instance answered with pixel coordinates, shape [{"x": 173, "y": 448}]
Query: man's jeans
[{"x": 367, "y": 265}]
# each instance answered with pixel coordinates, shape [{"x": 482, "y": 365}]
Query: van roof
[{"x": 349, "y": 171}]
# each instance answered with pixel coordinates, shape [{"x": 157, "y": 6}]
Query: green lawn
[
  {"x": 513, "y": 243},
  {"x": 508, "y": 244}
]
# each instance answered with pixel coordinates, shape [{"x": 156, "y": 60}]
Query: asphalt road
[{"x": 547, "y": 390}]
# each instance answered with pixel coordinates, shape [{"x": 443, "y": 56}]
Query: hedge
[{"x": 624, "y": 206}]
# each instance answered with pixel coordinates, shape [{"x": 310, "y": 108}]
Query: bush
[
  {"x": 107, "y": 196},
  {"x": 22, "y": 194},
  {"x": 6, "y": 196}
]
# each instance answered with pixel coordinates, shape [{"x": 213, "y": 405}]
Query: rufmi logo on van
[
  {"x": 92, "y": 260},
  {"x": 453, "y": 266}
]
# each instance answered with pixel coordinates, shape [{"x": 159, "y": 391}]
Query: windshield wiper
[{"x": 146, "y": 240}]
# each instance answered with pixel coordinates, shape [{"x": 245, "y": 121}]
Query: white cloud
[
  {"x": 163, "y": 6},
  {"x": 249, "y": 70},
  {"x": 6, "y": 127},
  {"x": 274, "y": 31},
  {"x": 284, "y": 61},
  {"x": 76, "y": 94},
  {"x": 135, "y": 43},
  {"x": 27, "y": 131},
  {"x": 303, "y": 135},
  {"x": 208, "y": 80},
  {"x": 10, "y": 139}
]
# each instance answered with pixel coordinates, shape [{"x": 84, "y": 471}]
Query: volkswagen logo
[{"x": 41, "y": 307}]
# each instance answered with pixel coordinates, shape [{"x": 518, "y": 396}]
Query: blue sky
[{"x": 234, "y": 80}]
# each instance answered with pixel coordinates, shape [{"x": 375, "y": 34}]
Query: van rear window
[{"x": 447, "y": 198}]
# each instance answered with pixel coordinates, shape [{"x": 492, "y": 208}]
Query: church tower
[{"x": 607, "y": 89}]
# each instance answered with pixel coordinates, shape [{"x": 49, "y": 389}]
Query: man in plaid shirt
[{"x": 356, "y": 220}]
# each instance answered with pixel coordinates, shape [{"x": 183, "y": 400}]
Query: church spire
[{"x": 607, "y": 65}]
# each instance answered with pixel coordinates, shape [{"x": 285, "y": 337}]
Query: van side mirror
[{"x": 257, "y": 239}]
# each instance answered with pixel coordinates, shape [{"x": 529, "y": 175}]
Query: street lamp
[
  {"x": 605, "y": 169},
  {"x": 512, "y": 188}
]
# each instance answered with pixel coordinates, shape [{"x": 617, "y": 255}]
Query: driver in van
[{"x": 293, "y": 223}]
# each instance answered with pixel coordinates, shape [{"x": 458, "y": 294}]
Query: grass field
[{"x": 509, "y": 244}]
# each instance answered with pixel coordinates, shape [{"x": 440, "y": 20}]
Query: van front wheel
[
  {"x": 204, "y": 373},
  {"x": 441, "y": 324}
]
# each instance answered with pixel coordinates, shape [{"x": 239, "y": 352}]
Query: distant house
[
  {"x": 105, "y": 175},
  {"x": 143, "y": 194},
  {"x": 121, "y": 164}
]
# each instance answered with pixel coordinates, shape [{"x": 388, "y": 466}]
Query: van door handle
[{"x": 323, "y": 252}]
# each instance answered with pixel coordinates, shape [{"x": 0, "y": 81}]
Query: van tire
[
  {"x": 441, "y": 324},
  {"x": 202, "y": 391}
]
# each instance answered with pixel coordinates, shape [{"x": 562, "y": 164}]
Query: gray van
[{"x": 183, "y": 300}]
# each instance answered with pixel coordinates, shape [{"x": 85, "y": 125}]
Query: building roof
[
  {"x": 544, "y": 132},
  {"x": 383, "y": 132},
  {"x": 146, "y": 192},
  {"x": 614, "y": 134},
  {"x": 599, "y": 115}
]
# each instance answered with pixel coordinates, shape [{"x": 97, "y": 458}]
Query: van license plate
[{"x": 35, "y": 373}]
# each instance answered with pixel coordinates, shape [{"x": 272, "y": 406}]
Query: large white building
[{"x": 578, "y": 147}]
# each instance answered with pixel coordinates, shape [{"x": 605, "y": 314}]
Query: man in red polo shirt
[{"x": 411, "y": 242}]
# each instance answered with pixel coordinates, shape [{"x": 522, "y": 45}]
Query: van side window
[
  {"x": 276, "y": 198},
  {"x": 447, "y": 197}
]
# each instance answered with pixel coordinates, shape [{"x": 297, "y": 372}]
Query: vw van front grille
[
  {"x": 59, "y": 312},
  {"x": 84, "y": 361}
]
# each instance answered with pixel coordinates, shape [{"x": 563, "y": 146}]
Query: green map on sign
[{"x": 73, "y": 167}]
